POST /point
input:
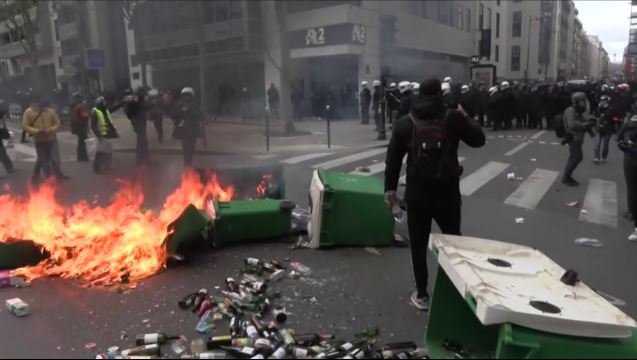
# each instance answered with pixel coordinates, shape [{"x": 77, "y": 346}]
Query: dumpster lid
[
  {"x": 520, "y": 285},
  {"x": 350, "y": 182}
]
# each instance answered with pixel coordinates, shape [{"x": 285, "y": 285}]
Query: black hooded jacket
[{"x": 458, "y": 128}]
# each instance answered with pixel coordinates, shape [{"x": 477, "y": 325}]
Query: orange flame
[
  {"x": 264, "y": 185},
  {"x": 101, "y": 246}
]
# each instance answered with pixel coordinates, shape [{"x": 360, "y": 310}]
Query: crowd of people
[
  {"x": 41, "y": 122},
  {"x": 430, "y": 119}
]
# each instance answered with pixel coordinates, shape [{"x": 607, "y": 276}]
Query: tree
[
  {"x": 131, "y": 14},
  {"x": 21, "y": 18}
]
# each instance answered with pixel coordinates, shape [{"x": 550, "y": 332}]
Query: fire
[
  {"x": 264, "y": 186},
  {"x": 101, "y": 246}
]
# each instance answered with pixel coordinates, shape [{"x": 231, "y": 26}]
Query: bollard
[{"x": 267, "y": 129}]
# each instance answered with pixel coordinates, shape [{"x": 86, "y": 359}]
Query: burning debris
[{"x": 101, "y": 246}]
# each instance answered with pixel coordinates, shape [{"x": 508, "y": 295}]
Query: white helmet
[
  {"x": 188, "y": 90},
  {"x": 415, "y": 87},
  {"x": 493, "y": 90},
  {"x": 447, "y": 79},
  {"x": 392, "y": 85},
  {"x": 464, "y": 88},
  {"x": 364, "y": 84},
  {"x": 505, "y": 85},
  {"x": 445, "y": 87},
  {"x": 404, "y": 86},
  {"x": 153, "y": 92},
  {"x": 376, "y": 83}
]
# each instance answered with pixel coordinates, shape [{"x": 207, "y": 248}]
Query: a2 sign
[{"x": 329, "y": 35}]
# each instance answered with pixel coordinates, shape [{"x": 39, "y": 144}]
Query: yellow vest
[{"x": 102, "y": 124}]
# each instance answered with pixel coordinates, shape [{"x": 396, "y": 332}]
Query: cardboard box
[{"x": 18, "y": 307}]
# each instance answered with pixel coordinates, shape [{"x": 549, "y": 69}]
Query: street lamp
[{"x": 528, "y": 47}]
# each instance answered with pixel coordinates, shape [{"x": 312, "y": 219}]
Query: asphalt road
[{"x": 354, "y": 288}]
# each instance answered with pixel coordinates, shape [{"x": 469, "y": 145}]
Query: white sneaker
[
  {"x": 421, "y": 304},
  {"x": 596, "y": 161},
  {"x": 633, "y": 236}
]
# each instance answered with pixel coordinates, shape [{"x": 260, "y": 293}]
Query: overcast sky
[{"x": 609, "y": 20}]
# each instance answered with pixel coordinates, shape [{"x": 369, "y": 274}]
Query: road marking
[
  {"x": 403, "y": 179},
  {"x": 471, "y": 183},
  {"x": 374, "y": 169},
  {"x": 600, "y": 203},
  {"x": 264, "y": 157},
  {"x": 306, "y": 157},
  {"x": 26, "y": 150},
  {"x": 532, "y": 190},
  {"x": 349, "y": 159},
  {"x": 537, "y": 136},
  {"x": 516, "y": 149}
]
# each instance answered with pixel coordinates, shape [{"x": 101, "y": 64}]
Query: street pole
[
  {"x": 329, "y": 126},
  {"x": 267, "y": 130},
  {"x": 528, "y": 49},
  {"x": 382, "y": 135}
]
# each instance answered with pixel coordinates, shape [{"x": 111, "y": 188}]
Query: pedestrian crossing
[{"x": 600, "y": 205}]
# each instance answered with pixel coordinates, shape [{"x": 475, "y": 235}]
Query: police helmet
[
  {"x": 445, "y": 87},
  {"x": 153, "y": 92},
  {"x": 404, "y": 86},
  {"x": 464, "y": 88},
  {"x": 493, "y": 90},
  {"x": 447, "y": 79},
  {"x": 392, "y": 85},
  {"x": 376, "y": 83},
  {"x": 364, "y": 84},
  {"x": 504, "y": 85},
  {"x": 188, "y": 90}
]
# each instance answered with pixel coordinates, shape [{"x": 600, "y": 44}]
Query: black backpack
[
  {"x": 430, "y": 146},
  {"x": 558, "y": 125}
]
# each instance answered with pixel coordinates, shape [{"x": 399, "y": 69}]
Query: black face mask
[{"x": 579, "y": 107}]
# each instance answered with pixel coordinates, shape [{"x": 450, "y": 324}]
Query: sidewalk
[{"x": 232, "y": 137}]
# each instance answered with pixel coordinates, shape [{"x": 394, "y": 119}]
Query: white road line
[
  {"x": 25, "y": 150},
  {"x": 349, "y": 159},
  {"x": 403, "y": 179},
  {"x": 306, "y": 157},
  {"x": 474, "y": 181},
  {"x": 600, "y": 203},
  {"x": 264, "y": 157},
  {"x": 516, "y": 149},
  {"x": 532, "y": 190},
  {"x": 538, "y": 135},
  {"x": 375, "y": 169}
]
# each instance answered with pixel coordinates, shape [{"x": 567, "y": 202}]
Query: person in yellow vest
[
  {"x": 104, "y": 129},
  {"x": 42, "y": 123}
]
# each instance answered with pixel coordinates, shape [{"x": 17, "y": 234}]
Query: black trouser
[
  {"x": 44, "y": 151},
  {"x": 82, "y": 155},
  {"x": 365, "y": 114},
  {"x": 575, "y": 157},
  {"x": 189, "y": 145},
  {"x": 630, "y": 173},
  {"x": 4, "y": 158},
  {"x": 274, "y": 110},
  {"x": 142, "y": 148},
  {"x": 103, "y": 161},
  {"x": 24, "y": 136},
  {"x": 602, "y": 140},
  {"x": 158, "y": 121},
  {"x": 297, "y": 112},
  {"x": 481, "y": 118},
  {"x": 419, "y": 215}
]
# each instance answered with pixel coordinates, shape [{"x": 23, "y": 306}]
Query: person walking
[
  {"x": 105, "y": 131},
  {"x": 79, "y": 124},
  {"x": 429, "y": 135},
  {"x": 607, "y": 125},
  {"x": 5, "y": 135},
  {"x": 42, "y": 123},
  {"x": 136, "y": 110},
  {"x": 188, "y": 123},
  {"x": 365, "y": 100},
  {"x": 297, "y": 101},
  {"x": 627, "y": 136},
  {"x": 273, "y": 101},
  {"x": 156, "y": 114},
  {"x": 576, "y": 126}
]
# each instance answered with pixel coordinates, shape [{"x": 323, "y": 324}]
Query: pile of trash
[{"x": 255, "y": 325}]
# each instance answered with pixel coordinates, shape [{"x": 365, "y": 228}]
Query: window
[
  {"x": 497, "y": 25},
  {"x": 136, "y": 75},
  {"x": 236, "y": 9},
  {"x": 467, "y": 20},
  {"x": 57, "y": 30},
  {"x": 489, "y": 19},
  {"x": 497, "y": 53},
  {"x": 517, "y": 24},
  {"x": 444, "y": 13},
  {"x": 70, "y": 46},
  {"x": 457, "y": 23},
  {"x": 515, "y": 58},
  {"x": 221, "y": 10},
  {"x": 481, "y": 17},
  {"x": 498, "y": 2}
]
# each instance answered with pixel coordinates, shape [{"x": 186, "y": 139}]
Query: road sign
[
  {"x": 475, "y": 59},
  {"x": 95, "y": 58}
]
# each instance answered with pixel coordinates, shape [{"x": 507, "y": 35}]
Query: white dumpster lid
[{"x": 519, "y": 285}]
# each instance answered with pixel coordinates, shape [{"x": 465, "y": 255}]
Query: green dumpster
[
  {"x": 190, "y": 228},
  {"x": 499, "y": 300},
  {"x": 348, "y": 210},
  {"x": 19, "y": 253},
  {"x": 251, "y": 220}
]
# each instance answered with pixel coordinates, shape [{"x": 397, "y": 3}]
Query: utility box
[
  {"x": 251, "y": 220},
  {"x": 348, "y": 210},
  {"x": 499, "y": 300}
]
